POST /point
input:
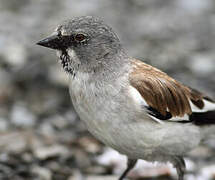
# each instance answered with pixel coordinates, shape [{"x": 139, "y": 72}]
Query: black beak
[{"x": 53, "y": 42}]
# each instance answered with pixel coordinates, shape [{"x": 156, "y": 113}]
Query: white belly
[{"x": 112, "y": 117}]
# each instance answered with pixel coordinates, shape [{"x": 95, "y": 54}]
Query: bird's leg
[
  {"x": 180, "y": 166},
  {"x": 130, "y": 164}
]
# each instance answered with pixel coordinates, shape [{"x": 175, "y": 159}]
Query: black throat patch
[{"x": 66, "y": 63}]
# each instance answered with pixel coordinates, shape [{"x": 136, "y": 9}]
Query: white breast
[{"x": 94, "y": 104}]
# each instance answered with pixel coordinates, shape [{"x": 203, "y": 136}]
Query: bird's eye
[{"x": 80, "y": 37}]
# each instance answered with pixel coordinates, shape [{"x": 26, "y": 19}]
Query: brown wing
[{"x": 162, "y": 92}]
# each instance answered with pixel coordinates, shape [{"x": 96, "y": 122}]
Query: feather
[{"x": 167, "y": 99}]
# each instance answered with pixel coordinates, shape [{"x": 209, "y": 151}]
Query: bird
[{"x": 125, "y": 103}]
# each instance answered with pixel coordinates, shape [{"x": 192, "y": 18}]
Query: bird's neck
[
  {"x": 106, "y": 68},
  {"x": 111, "y": 67}
]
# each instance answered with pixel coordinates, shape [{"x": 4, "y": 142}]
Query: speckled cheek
[{"x": 72, "y": 54}]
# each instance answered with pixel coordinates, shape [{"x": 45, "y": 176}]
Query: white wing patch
[
  {"x": 137, "y": 96},
  {"x": 208, "y": 106},
  {"x": 156, "y": 119},
  {"x": 177, "y": 118}
]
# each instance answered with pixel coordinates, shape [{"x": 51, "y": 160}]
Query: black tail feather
[{"x": 203, "y": 118}]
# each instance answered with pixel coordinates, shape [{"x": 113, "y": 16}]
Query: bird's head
[{"x": 85, "y": 42}]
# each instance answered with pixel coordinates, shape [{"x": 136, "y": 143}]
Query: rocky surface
[{"x": 41, "y": 136}]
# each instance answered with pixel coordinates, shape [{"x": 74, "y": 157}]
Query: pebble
[
  {"x": 76, "y": 175},
  {"x": 13, "y": 142},
  {"x": 90, "y": 144},
  {"x": 21, "y": 116},
  {"x": 3, "y": 125},
  {"x": 19, "y": 56},
  {"x": 101, "y": 177},
  {"x": 50, "y": 151},
  {"x": 42, "y": 173},
  {"x": 208, "y": 172},
  {"x": 202, "y": 65}
]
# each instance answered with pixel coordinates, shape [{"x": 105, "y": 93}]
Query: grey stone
[{"x": 21, "y": 116}]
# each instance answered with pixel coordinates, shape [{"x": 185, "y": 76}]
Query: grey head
[{"x": 84, "y": 43}]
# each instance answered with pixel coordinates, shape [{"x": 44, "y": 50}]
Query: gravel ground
[{"x": 41, "y": 136}]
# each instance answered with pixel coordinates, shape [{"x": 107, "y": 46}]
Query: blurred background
[{"x": 41, "y": 136}]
